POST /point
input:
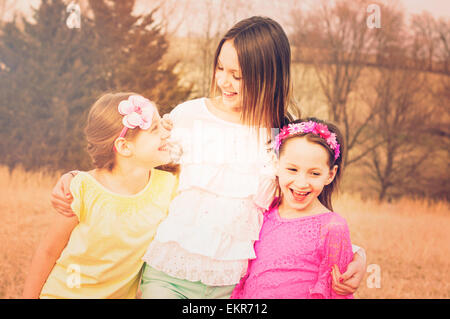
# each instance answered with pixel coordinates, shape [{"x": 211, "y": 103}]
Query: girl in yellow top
[{"x": 118, "y": 206}]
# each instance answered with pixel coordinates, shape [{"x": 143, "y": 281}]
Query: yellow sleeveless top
[{"x": 103, "y": 258}]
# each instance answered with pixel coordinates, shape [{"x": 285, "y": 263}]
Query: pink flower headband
[
  {"x": 137, "y": 111},
  {"x": 309, "y": 127}
]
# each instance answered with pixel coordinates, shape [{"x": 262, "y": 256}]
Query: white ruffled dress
[{"x": 226, "y": 182}]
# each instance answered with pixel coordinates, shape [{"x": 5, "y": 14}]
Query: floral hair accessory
[
  {"x": 137, "y": 111},
  {"x": 309, "y": 127}
]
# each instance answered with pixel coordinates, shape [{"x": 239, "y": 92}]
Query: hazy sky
[
  {"x": 278, "y": 8},
  {"x": 438, "y": 8}
]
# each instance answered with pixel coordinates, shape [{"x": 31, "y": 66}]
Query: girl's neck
[
  {"x": 124, "y": 180},
  {"x": 289, "y": 212},
  {"x": 216, "y": 107}
]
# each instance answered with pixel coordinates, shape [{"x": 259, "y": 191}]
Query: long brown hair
[
  {"x": 327, "y": 192},
  {"x": 264, "y": 56}
]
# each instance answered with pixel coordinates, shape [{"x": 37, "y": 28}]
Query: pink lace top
[{"x": 294, "y": 257}]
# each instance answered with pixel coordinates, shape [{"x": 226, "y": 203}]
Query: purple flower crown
[{"x": 309, "y": 127}]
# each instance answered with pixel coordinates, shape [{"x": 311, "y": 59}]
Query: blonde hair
[{"x": 103, "y": 127}]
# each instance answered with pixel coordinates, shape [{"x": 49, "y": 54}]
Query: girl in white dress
[{"x": 202, "y": 249}]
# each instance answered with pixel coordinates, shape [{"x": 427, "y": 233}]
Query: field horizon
[{"x": 405, "y": 240}]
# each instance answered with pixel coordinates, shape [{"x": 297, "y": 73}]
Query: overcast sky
[
  {"x": 438, "y": 8},
  {"x": 278, "y": 9}
]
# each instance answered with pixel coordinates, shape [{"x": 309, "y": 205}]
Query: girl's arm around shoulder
[
  {"x": 61, "y": 196},
  {"x": 346, "y": 281},
  {"x": 337, "y": 235},
  {"x": 335, "y": 225},
  {"x": 48, "y": 251},
  {"x": 336, "y": 249},
  {"x": 337, "y": 242}
]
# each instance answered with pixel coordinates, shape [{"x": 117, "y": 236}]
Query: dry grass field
[{"x": 408, "y": 240}]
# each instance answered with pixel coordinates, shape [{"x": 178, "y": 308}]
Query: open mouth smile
[
  {"x": 229, "y": 94},
  {"x": 299, "y": 196}
]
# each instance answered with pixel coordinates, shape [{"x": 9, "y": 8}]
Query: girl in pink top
[{"x": 301, "y": 237}]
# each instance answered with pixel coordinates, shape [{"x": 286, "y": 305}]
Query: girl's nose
[
  {"x": 165, "y": 133},
  {"x": 223, "y": 79},
  {"x": 301, "y": 182}
]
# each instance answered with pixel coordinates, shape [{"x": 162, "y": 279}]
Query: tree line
[
  {"x": 387, "y": 88},
  {"x": 51, "y": 74}
]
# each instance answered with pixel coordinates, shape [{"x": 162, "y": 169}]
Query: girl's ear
[
  {"x": 276, "y": 165},
  {"x": 332, "y": 174},
  {"x": 123, "y": 147}
]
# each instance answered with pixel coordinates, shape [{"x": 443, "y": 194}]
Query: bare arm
[
  {"x": 61, "y": 198},
  {"x": 349, "y": 282},
  {"x": 47, "y": 253}
]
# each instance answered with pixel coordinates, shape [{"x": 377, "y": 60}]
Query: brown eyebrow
[
  {"x": 232, "y": 70},
  {"x": 289, "y": 163},
  {"x": 292, "y": 164}
]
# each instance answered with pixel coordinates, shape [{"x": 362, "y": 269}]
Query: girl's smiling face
[
  {"x": 151, "y": 145},
  {"x": 228, "y": 76},
  {"x": 303, "y": 171}
]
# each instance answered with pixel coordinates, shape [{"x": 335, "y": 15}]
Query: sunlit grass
[{"x": 408, "y": 239}]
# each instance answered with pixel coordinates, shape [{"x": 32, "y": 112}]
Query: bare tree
[
  {"x": 338, "y": 41},
  {"x": 207, "y": 42},
  {"x": 389, "y": 42},
  {"x": 425, "y": 38},
  {"x": 431, "y": 42},
  {"x": 400, "y": 124},
  {"x": 411, "y": 110},
  {"x": 170, "y": 14},
  {"x": 216, "y": 18},
  {"x": 443, "y": 49},
  {"x": 6, "y": 6},
  {"x": 437, "y": 182}
]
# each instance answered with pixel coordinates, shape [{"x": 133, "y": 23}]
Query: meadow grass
[{"x": 407, "y": 240}]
